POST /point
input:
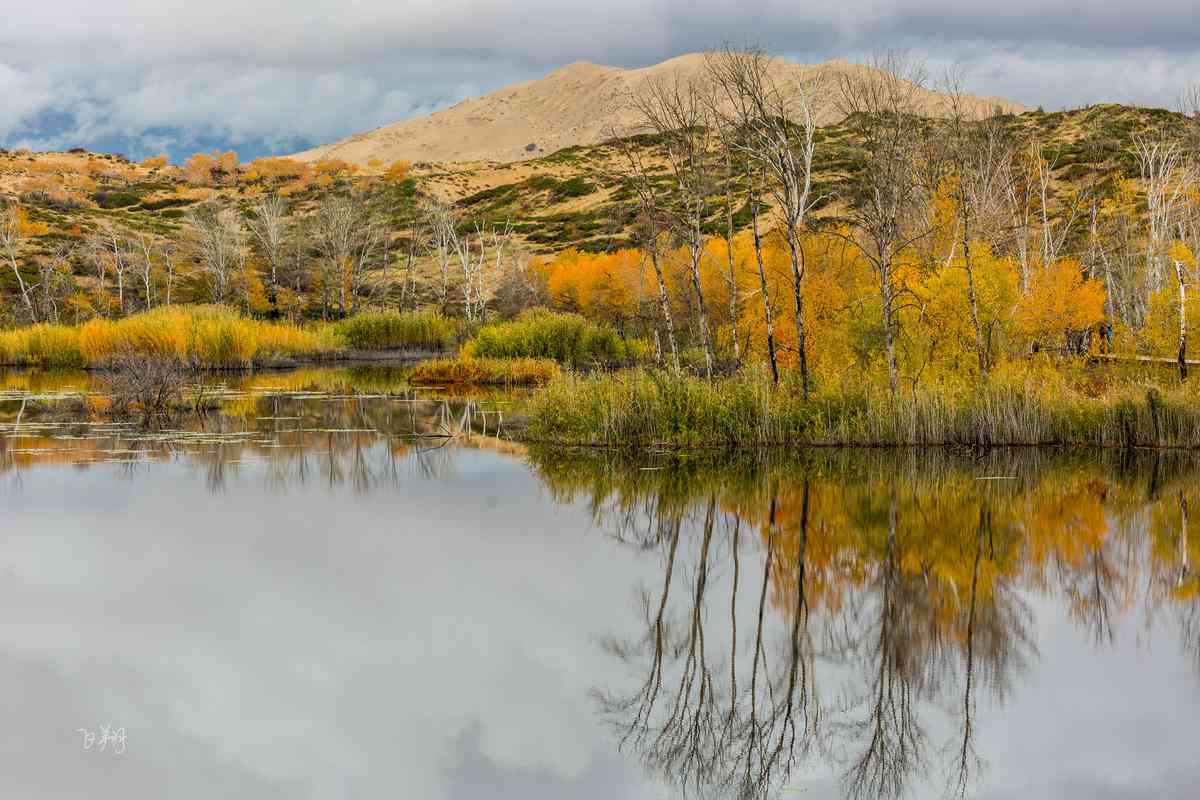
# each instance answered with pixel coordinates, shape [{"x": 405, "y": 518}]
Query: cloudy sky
[{"x": 262, "y": 76}]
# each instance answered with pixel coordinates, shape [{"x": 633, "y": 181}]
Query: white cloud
[{"x": 279, "y": 71}]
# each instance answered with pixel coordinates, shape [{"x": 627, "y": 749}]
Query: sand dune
[{"x": 578, "y": 104}]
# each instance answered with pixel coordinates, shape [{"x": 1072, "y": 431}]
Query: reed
[
  {"x": 385, "y": 330},
  {"x": 640, "y": 408},
  {"x": 485, "y": 372},
  {"x": 566, "y": 338},
  {"x": 207, "y": 336}
]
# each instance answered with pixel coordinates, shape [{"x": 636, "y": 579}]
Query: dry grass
[
  {"x": 485, "y": 372},
  {"x": 207, "y": 336}
]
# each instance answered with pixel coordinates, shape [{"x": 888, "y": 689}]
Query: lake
[{"x": 331, "y": 585}]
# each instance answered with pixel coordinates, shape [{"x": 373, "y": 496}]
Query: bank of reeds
[
  {"x": 206, "y": 336},
  {"x": 485, "y": 372},
  {"x": 642, "y": 408},
  {"x": 566, "y": 338},
  {"x": 389, "y": 330}
]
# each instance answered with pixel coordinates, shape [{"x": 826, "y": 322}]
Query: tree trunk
[
  {"x": 762, "y": 279},
  {"x": 797, "y": 255},
  {"x": 1182, "y": 322},
  {"x": 733, "y": 309},
  {"x": 980, "y": 349},
  {"x": 664, "y": 304},
  {"x": 886, "y": 295},
  {"x": 705, "y": 336}
]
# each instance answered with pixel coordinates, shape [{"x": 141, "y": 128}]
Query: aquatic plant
[
  {"x": 637, "y": 408},
  {"x": 567, "y": 338},
  {"x": 485, "y": 371},
  {"x": 379, "y": 330}
]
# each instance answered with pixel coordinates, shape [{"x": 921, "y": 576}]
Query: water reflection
[
  {"x": 870, "y": 601},
  {"x": 848, "y": 623},
  {"x": 364, "y": 428}
]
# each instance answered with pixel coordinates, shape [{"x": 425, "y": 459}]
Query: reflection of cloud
[
  {"x": 235, "y": 73},
  {"x": 304, "y": 645}
]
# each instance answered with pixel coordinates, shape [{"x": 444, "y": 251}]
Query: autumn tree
[
  {"x": 886, "y": 202},
  {"x": 15, "y": 228},
  {"x": 977, "y": 155}
]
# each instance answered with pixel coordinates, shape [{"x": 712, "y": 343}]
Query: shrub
[
  {"x": 567, "y": 338},
  {"x": 388, "y": 330}
]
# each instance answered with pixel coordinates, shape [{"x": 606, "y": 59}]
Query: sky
[{"x": 143, "y": 77}]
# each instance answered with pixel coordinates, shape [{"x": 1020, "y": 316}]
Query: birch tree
[
  {"x": 675, "y": 110},
  {"x": 649, "y": 227},
  {"x": 886, "y": 204},
  {"x": 779, "y": 135},
  {"x": 12, "y": 233},
  {"x": 268, "y": 226},
  {"x": 217, "y": 239}
]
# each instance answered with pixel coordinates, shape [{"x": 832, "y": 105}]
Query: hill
[{"x": 578, "y": 105}]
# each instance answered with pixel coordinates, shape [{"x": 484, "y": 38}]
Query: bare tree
[
  {"x": 143, "y": 250},
  {"x": 649, "y": 226},
  {"x": 778, "y": 133},
  {"x": 11, "y": 236},
  {"x": 1167, "y": 178},
  {"x": 218, "y": 241},
  {"x": 978, "y": 156},
  {"x": 675, "y": 109},
  {"x": 887, "y": 206},
  {"x": 440, "y": 229},
  {"x": 268, "y": 226},
  {"x": 349, "y": 238}
]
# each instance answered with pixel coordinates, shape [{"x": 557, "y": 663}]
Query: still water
[{"x": 332, "y": 586}]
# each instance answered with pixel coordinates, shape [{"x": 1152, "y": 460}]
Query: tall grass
[
  {"x": 385, "y": 330},
  {"x": 638, "y": 408},
  {"x": 567, "y": 338},
  {"x": 485, "y": 372},
  {"x": 209, "y": 336}
]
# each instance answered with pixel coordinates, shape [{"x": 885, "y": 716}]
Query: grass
[
  {"x": 485, "y": 372},
  {"x": 388, "y": 330},
  {"x": 208, "y": 336},
  {"x": 639, "y": 408},
  {"x": 566, "y": 338}
]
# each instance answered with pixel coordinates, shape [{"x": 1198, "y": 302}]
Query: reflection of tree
[
  {"x": 914, "y": 589},
  {"x": 708, "y": 730},
  {"x": 995, "y": 644},
  {"x": 889, "y": 738}
]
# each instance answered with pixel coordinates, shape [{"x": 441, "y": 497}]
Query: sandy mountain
[{"x": 578, "y": 104}]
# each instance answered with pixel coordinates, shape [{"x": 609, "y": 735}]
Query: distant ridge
[{"x": 575, "y": 105}]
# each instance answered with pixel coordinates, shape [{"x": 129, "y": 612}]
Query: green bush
[
  {"x": 567, "y": 338},
  {"x": 385, "y": 330}
]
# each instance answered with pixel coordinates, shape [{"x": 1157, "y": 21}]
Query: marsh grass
[
  {"x": 485, "y": 372},
  {"x": 205, "y": 336},
  {"x": 566, "y": 338},
  {"x": 642, "y": 408},
  {"x": 384, "y": 330}
]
